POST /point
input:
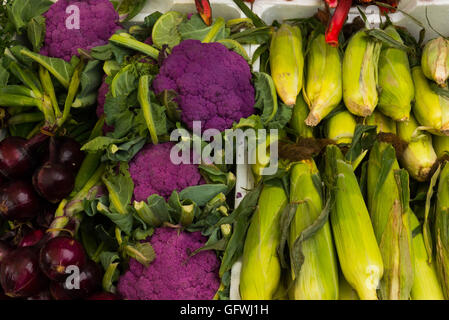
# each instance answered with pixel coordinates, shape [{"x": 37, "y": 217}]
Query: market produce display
[{"x": 94, "y": 206}]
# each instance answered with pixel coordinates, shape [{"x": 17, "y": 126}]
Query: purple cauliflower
[
  {"x": 154, "y": 173},
  {"x": 213, "y": 84},
  {"x": 173, "y": 275},
  {"x": 98, "y": 22}
]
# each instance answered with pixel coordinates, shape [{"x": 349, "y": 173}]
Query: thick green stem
[
  {"x": 68, "y": 209},
  {"x": 126, "y": 40},
  {"x": 218, "y": 25},
  {"x": 73, "y": 90},
  {"x": 144, "y": 99},
  {"x": 49, "y": 89},
  {"x": 25, "y": 76},
  {"x": 13, "y": 100},
  {"x": 91, "y": 161},
  {"x": 25, "y": 118}
]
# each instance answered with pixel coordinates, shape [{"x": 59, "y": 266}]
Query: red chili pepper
[
  {"x": 337, "y": 22},
  {"x": 332, "y": 3},
  {"x": 204, "y": 9}
]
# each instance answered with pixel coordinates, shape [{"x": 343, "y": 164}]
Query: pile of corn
[{"x": 376, "y": 227}]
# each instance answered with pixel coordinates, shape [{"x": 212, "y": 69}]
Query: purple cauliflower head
[
  {"x": 153, "y": 172},
  {"x": 98, "y": 22},
  {"x": 173, "y": 275},
  {"x": 213, "y": 84}
]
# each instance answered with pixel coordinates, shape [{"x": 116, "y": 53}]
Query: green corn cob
[
  {"x": 340, "y": 127},
  {"x": 287, "y": 62},
  {"x": 261, "y": 268},
  {"x": 395, "y": 80},
  {"x": 388, "y": 200},
  {"x": 430, "y": 109},
  {"x": 323, "y": 88},
  {"x": 435, "y": 60},
  {"x": 383, "y": 123},
  {"x": 419, "y": 155},
  {"x": 360, "y": 74},
  {"x": 297, "y": 122},
  {"x": 442, "y": 230},
  {"x": 358, "y": 253},
  {"x": 441, "y": 145},
  {"x": 318, "y": 278},
  {"x": 426, "y": 285}
]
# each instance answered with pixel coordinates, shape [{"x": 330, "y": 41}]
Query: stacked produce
[{"x": 94, "y": 178}]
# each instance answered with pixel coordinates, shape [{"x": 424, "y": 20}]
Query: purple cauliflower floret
[
  {"x": 213, "y": 84},
  {"x": 98, "y": 22},
  {"x": 173, "y": 275},
  {"x": 154, "y": 173}
]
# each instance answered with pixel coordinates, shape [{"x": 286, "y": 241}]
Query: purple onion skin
[
  {"x": 20, "y": 275},
  {"x": 5, "y": 249},
  {"x": 19, "y": 201},
  {"x": 103, "y": 296},
  {"x": 69, "y": 153},
  {"x": 46, "y": 216},
  {"x": 17, "y": 155},
  {"x": 53, "y": 181},
  {"x": 59, "y": 253},
  {"x": 58, "y": 292},
  {"x": 15, "y": 160},
  {"x": 32, "y": 238},
  {"x": 90, "y": 281},
  {"x": 43, "y": 295}
]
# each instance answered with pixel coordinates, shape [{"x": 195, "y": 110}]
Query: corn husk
[
  {"x": 395, "y": 80},
  {"x": 383, "y": 123},
  {"x": 323, "y": 86},
  {"x": 318, "y": 276},
  {"x": 442, "y": 230},
  {"x": 360, "y": 74},
  {"x": 419, "y": 155},
  {"x": 435, "y": 60},
  {"x": 346, "y": 292},
  {"x": 261, "y": 268},
  {"x": 340, "y": 127},
  {"x": 297, "y": 121},
  {"x": 388, "y": 201},
  {"x": 430, "y": 109},
  {"x": 287, "y": 62},
  {"x": 358, "y": 253},
  {"x": 426, "y": 285},
  {"x": 441, "y": 145}
]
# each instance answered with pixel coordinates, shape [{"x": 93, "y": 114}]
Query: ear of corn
[
  {"x": 318, "y": 278},
  {"x": 430, "y": 109},
  {"x": 340, "y": 127},
  {"x": 323, "y": 88},
  {"x": 419, "y": 155},
  {"x": 358, "y": 253},
  {"x": 442, "y": 230},
  {"x": 441, "y": 145},
  {"x": 383, "y": 123},
  {"x": 287, "y": 62},
  {"x": 435, "y": 60},
  {"x": 388, "y": 200},
  {"x": 360, "y": 74},
  {"x": 261, "y": 269},
  {"x": 426, "y": 285},
  {"x": 297, "y": 122},
  {"x": 345, "y": 291},
  {"x": 395, "y": 80}
]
